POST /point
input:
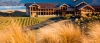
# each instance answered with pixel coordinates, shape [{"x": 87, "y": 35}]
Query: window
[
  {"x": 33, "y": 8},
  {"x": 41, "y": 9}
]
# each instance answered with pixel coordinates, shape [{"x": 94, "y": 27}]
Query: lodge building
[{"x": 59, "y": 9}]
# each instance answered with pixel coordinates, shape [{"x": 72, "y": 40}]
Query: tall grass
[
  {"x": 92, "y": 32},
  {"x": 68, "y": 32},
  {"x": 15, "y": 34},
  {"x": 60, "y": 32}
]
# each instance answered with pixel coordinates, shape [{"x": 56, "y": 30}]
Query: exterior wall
[
  {"x": 27, "y": 11},
  {"x": 46, "y": 15},
  {"x": 97, "y": 9},
  {"x": 59, "y": 11},
  {"x": 33, "y": 14},
  {"x": 85, "y": 12}
]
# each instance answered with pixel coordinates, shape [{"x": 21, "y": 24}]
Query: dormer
[
  {"x": 35, "y": 5},
  {"x": 64, "y": 6}
]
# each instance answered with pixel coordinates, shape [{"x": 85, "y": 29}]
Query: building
[{"x": 60, "y": 9}]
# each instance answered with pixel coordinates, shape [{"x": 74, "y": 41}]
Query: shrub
[{"x": 68, "y": 16}]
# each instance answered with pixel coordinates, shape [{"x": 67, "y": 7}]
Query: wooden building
[
  {"x": 56, "y": 9},
  {"x": 46, "y": 9},
  {"x": 83, "y": 9},
  {"x": 97, "y": 9}
]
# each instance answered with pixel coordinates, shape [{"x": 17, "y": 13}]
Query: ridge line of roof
[{"x": 48, "y": 2}]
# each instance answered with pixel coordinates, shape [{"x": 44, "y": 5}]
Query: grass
[
  {"x": 64, "y": 31},
  {"x": 68, "y": 32},
  {"x": 22, "y": 21},
  {"x": 45, "y": 18},
  {"x": 15, "y": 34},
  {"x": 61, "y": 32}
]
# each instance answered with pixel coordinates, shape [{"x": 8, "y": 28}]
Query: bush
[{"x": 68, "y": 16}]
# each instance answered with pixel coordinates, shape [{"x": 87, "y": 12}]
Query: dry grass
[
  {"x": 92, "y": 32},
  {"x": 67, "y": 32},
  {"x": 15, "y": 34},
  {"x": 60, "y": 32}
]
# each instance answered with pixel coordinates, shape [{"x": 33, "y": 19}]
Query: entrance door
[
  {"x": 63, "y": 13},
  {"x": 33, "y": 14}
]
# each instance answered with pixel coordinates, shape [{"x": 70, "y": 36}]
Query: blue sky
[
  {"x": 65, "y": 1},
  {"x": 62, "y": 1},
  {"x": 23, "y": 1},
  {"x": 92, "y": 2}
]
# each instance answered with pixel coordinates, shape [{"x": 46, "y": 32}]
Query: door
[
  {"x": 63, "y": 13},
  {"x": 33, "y": 14}
]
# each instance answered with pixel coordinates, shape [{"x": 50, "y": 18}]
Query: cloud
[
  {"x": 95, "y": 2},
  {"x": 11, "y": 7},
  {"x": 10, "y": 1}
]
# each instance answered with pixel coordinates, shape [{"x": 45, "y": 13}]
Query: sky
[
  {"x": 64, "y": 1},
  {"x": 42, "y": 1},
  {"x": 23, "y": 1},
  {"x": 12, "y": 7}
]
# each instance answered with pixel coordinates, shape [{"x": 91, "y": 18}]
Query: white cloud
[
  {"x": 11, "y": 7},
  {"x": 95, "y": 1},
  {"x": 10, "y": 0}
]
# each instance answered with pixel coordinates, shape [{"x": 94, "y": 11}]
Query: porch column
[{"x": 40, "y": 11}]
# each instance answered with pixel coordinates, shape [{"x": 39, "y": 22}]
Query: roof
[
  {"x": 28, "y": 4},
  {"x": 81, "y": 7},
  {"x": 96, "y": 7},
  {"x": 46, "y": 5},
  {"x": 85, "y": 6},
  {"x": 52, "y": 5}
]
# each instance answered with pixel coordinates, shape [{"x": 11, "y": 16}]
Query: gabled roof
[
  {"x": 46, "y": 5},
  {"x": 71, "y": 4},
  {"x": 81, "y": 3},
  {"x": 28, "y": 4},
  {"x": 65, "y": 4},
  {"x": 42, "y": 5},
  {"x": 81, "y": 7}
]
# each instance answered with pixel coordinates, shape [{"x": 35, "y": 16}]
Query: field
[
  {"x": 63, "y": 31},
  {"x": 21, "y": 21}
]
